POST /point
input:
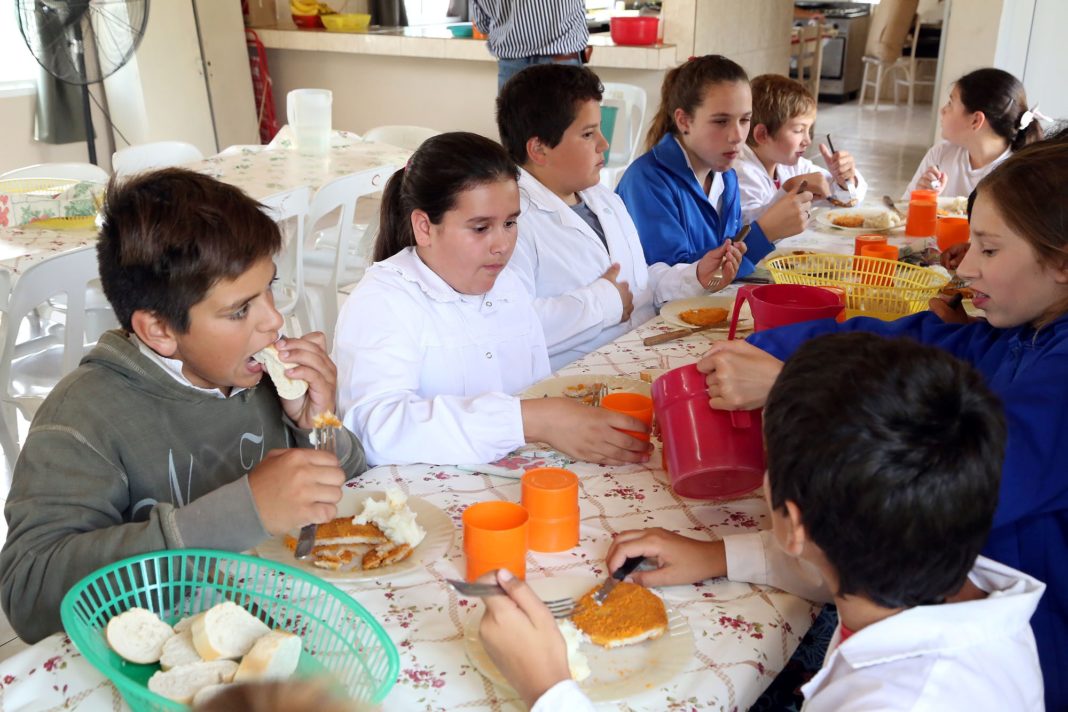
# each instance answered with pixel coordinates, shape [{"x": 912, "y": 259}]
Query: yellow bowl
[{"x": 346, "y": 22}]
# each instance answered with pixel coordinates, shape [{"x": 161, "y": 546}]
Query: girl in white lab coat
[{"x": 440, "y": 333}]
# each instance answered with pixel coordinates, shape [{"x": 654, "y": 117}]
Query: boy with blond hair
[{"x": 772, "y": 161}]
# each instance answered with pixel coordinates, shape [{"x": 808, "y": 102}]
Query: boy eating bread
[
  {"x": 167, "y": 435},
  {"x": 883, "y": 467}
]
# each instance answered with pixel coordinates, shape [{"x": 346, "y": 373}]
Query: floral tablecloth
[{"x": 743, "y": 633}]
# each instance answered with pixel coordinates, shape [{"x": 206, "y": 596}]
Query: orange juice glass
[
  {"x": 875, "y": 273},
  {"x": 634, "y": 405},
  {"x": 550, "y": 496},
  {"x": 951, "y": 231},
  {"x": 922, "y": 217},
  {"x": 495, "y": 537}
]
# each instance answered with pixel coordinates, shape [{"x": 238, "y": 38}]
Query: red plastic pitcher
[
  {"x": 781, "y": 304},
  {"x": 708, "y": 454}
]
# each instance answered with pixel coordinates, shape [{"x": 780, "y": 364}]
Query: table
[{"x": 743, "y": 633}]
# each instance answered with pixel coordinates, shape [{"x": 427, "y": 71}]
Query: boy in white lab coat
[
  {"x": 772, "y": 161},
  {"x": 883, "y": 468},
  {"x": 578, "y": 251}
]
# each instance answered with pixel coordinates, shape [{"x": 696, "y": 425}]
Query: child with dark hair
[
  {"x": 985, "y": 120},
  {"x": 578, "y": 252},
  {"x": 773, "y": 163},
  {"x": 165, "y": 437},
  {"x": 1017, "y": 266},
  {"x": 440, "y": 333},
  {"x": 683, "y": 193},
  {"x": 881, "y": 484}
]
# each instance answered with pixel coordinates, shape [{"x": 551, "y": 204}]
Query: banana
[{"x": 303, "y": 7}]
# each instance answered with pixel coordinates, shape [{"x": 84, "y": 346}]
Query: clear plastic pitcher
[{"x": 308, "y": 112}]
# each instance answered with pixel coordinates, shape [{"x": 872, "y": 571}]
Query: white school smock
[
  {"x": 953, "y": 160},
  {"x": 973, "y": 655},
  {"x": 560, "y": 260},
  {"x": 758, "y": 191},
  {"x": 426, "y": 374}
]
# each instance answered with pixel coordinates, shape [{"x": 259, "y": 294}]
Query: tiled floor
[{"x": 888, "y": 144}]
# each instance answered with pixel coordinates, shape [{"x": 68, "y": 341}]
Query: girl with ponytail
[
  {"x": 440, "y": 332},
  {"x": 683, "y": 193},
  {"x": 985, "y": 120}
]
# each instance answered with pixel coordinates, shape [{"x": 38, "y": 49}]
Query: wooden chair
[{"x": 806, "y": 54}]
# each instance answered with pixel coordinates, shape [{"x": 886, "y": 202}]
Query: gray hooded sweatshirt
[{"x": 122, "y": 459}]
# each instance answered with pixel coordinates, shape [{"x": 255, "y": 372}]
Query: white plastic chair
[
  {"x": 30, "y": 369},
  {"x": 343, "y": 250},
  {"x": 289, "y": 209},
  {"x": 147, "y": 156},
  {"x": 630, "y": 102},
  {"x": 73, "y": 171},
  {"x": 911, "y": 64},
  {"x": 409, "y": 137}
]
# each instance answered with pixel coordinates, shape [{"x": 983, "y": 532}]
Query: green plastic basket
[{"x": 341, "y": 640}]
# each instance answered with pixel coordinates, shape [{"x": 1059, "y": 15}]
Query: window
[
  {"x": 428, "y": 12},
  {"x": 16, "y": 62}
]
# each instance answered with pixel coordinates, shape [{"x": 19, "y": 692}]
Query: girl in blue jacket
[
  {"x": 682, "y": 193},
  {"x": 1017, "y": 264}
]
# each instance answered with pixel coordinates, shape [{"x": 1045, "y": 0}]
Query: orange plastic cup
[
  {"x": 922, "y": 218},
  {"x": 550, "y": 496},
  {"x": 951, "y": 231},
  {"x": 924, "y": 195},
  {"x": 476, "y": 33},
  {"x": 841, "y": 294},
  {"x": 861, "y": 240},
  {"x": 495, "y": 537},
  {"x": 880, "y": 275},
  {"x": 632, "y": 404}
]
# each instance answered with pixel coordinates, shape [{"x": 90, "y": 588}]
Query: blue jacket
[
  {"x": 676, "y": 222},
  {"x": 1028, "y": 370}
]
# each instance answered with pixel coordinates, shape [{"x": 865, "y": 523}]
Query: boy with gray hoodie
[{"x": 167, "y": 436}]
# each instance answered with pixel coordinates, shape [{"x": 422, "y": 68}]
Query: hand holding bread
[{"x": 307, "y": 360}]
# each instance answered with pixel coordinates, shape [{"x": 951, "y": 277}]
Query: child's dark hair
[
  {"x": 169, "y": 235},
  {"x": 443, "y": 167},
  {"x": 541, "y": 102},
  {"x": 1002, "y": 99},
  {"x": 892, "y": 451},
  {"x": 684, "y": 88},
  {"x": 1030, "y": 190}
]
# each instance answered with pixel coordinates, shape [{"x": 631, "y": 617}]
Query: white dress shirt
[
  {"x": 758, "y": 189},
  {"x": 560, "y": 260},
  {"x": 954, "y": 161},
  {"x": 975, "y": 655},
  {"x": 426, "y": 374}
]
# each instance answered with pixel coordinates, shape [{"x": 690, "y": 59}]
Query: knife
[
  {"x": 672, "y": 335},
  {"x": 849, "y": 184},
  {"x": 889, "y": 202},
  {"x": 621, "y": 573},
  {"x": 324, "y": 437}
]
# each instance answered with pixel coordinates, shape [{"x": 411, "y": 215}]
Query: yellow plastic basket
[{"x": 884, "y": 289}]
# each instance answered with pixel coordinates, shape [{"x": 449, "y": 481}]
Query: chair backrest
[
  {"x": 340, "y": 196},
  {"x": 289, "y": 209},
  {"x": 71, "y": 171},
  {"x": 631, "y": 101},
  {"x": 890, "y": 24},
  {"x": 409, "y": 137},
  {"x": 148, "y": 156},
  {"x": 807, "y": 52}
]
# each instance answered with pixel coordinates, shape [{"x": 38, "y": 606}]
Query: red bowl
[
  {"x": 307, "y": 21},
  {"x": 634, "y": 30}
]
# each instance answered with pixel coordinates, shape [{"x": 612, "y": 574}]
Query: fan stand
[{"x": 87, "y": 112}]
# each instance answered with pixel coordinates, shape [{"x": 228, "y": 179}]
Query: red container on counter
[{"x": 634, "y": 30}]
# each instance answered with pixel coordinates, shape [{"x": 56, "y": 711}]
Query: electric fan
[{"x": 82, "y": 42}]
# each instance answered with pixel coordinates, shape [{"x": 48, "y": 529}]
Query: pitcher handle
[{"x": 743, "y": 294}]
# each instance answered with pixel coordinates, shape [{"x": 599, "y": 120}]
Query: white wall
[{"x": 17, "y": 109}]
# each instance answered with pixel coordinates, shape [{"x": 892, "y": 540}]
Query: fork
[
  {"x": 601, "y": 393},
  {"x": 559, "y": 607},
  {"x": 323, "y": 437}
]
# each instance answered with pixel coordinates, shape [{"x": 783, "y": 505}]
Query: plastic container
[
  {"x": 464, "y": 30},
  {"x": 781, "y": 304},
  {"x": 550, "y": 496},
  {"x": 308, "y": 22},
  {"x": 347, "y": 22},
  {"x": 308, "y": 112},
  {"x": 633, "y": 404},
  {"x": 861, "y": 240},
  {"x": 912, "y": 287},
  {"x": 341, "y": 639},
  {"x": 495, "y": 536},
  {"x": 708, "y": 454},
  {"x": 951, "y": 231},
  {"x": 634, "y": 30},
  {"x": 921, "y": 219}
]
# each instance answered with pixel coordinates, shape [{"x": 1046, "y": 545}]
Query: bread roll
[
  {"x": 273, "y": 657},
  {"x": 182, "y": 683},
  {"x": 288, "y": 388},
  {"x": 226, "y": 631},
  {"x": 179, "y": 650},
  {"x": 138, "y": 635}
]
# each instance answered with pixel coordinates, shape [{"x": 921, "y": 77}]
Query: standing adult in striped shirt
[{"x": 525, "y": 32}]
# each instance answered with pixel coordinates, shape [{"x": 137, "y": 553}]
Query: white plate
[
  {"x": 618, "y": 673},
  {"x": 553, "y": 387},
  {"x": 670, "y": 311},
  {"x": 439, "y": 533},
  {"x": 825, "y": 217}
]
